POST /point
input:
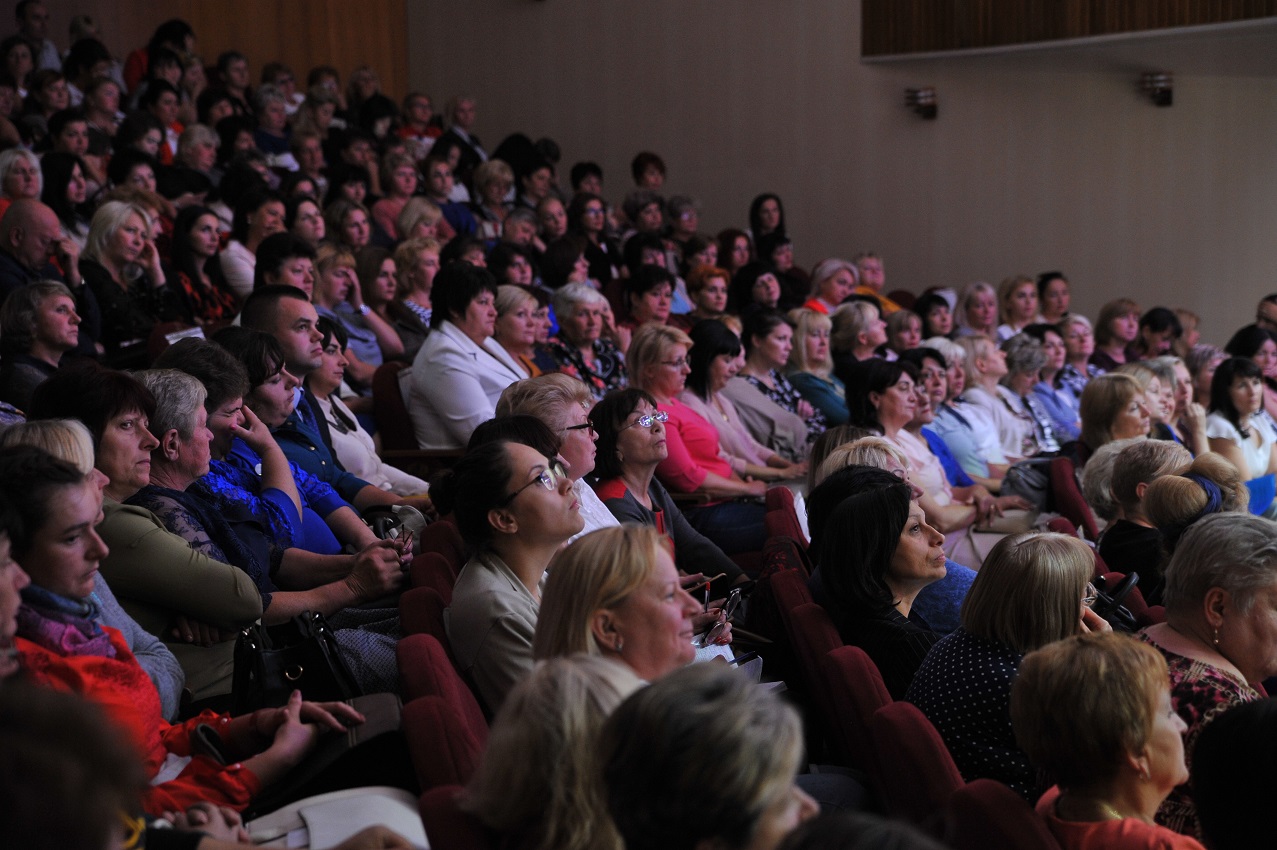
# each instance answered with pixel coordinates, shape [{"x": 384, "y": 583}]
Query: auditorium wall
[{"x": 1029, "y": 166}]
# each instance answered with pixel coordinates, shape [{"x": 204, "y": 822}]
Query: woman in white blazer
[{"x": 460, "y": 371}]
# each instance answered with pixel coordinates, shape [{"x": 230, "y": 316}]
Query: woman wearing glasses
[
  {"x": 632, "y": 443},
  {"x": 515, "y": 508},
  {"x": 658, "y": 364},
  {"x": 1032, "y": 590}
]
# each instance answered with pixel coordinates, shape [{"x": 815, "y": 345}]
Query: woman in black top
[{"x": 874, "y": 552}]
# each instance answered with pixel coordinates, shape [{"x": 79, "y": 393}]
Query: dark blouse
[
  {"x": 964, "y": 688},
  {"x": 128, "y": 313},
  {"x": 200, "y": 306},
  {"x": 609, "y": 365},
  {"x": 896, "y": 644},
  {"x": 788, "y": 397}
]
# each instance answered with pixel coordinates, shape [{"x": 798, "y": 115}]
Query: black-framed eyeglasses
[
  {"x": 584, "y": 426},
  {"x": 646, "y": 420},
  {"x": 549, "y": 479}
]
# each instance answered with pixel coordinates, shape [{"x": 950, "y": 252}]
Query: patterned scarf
[{"x": 63, "y": 625}]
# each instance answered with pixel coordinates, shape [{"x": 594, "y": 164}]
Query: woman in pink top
[{"x": 733, "y": 519}]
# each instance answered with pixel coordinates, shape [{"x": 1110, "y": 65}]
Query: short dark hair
[
  {"x": 517, "y": 428},
  {"x": 154, "y": 89},
  {"x": 877, "y": 375},
  {"x": 642, "y": 160},
  {"x": 331, "y": 329},
  {"x": 124, "y": 161},
  {"x": 223, "y": 376},
  {"x": 609, "y": 417},
  {"x": 250, "y": 202},
  {"x": 92, "y": 394},
  {"x": 262, "y": 304},
  {"x": 582, "y": 170},
  {"x": 1162, "y": 319},
  {"x": 632, "y": 253},
  {"x": 710, "y": 339},
  {"x": 1248, "y": 340},
  {"x": 29, "y": 477},
  {"x": 456, "y": 285},
  {"x": 259, "y": 353},
  {"x": 643, "y": 280},
  {"x": 276, "y": 250}
]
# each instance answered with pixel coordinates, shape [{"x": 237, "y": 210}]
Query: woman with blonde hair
[
  {"x": 832, "y": 280},
  {"x": 857, "y": 330},
  {"x": 537, "y": 784},
  {"x": 121, "y": 267},
  {"x": 1113, "y": 759},
  {"x": 337, "y": 296},
  {"x": 517, "y": 326},
  {"x": 977, "y": 310},
  {"x": 1210, "y": 484},
  {"x": 1031, "y": 590},
  {"x": 492, "y": 181},
  {"x": 420, "y": 218},
  {"x": 616, "y": 593},
  {"x": 810, "y": 367},
  {"x": 1017, "y": 305},
  {"x": 658, "y": 363}
]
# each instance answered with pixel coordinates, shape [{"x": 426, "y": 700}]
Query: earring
[
  {"x": 619, "y": 643},
  {"x": 1217, "y": 635},
  {"x": 620, "y": 456}
]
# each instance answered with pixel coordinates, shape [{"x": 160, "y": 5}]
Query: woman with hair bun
[{"x": 515, "y": 508}]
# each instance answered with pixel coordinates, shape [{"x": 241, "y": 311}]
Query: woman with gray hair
[
  {"x": 38, "y": 324},
  {"x": 20, "y": 177},
  {"x": 1220, "y": 629},
  {"x": 580, "y": 347},
  {"x": 121, "y": 266},
  {"x": 703, "y": 758},
  {"x": 1025, "y": 359},
  {"x": 291, "y": 581},
  {"x": 563, "y": 403}
]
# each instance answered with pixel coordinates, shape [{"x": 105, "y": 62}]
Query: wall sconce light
[
  {"x": 922, "y": 101},
  {"x": 1158, "y": 86}
]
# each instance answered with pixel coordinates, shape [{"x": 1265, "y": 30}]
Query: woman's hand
[
  {"x": 377, "y": 572},
  {"x": 255, "y": 433},
  {"x": 375, "y": 838},
  {"x": 219, "y": 822},
  {"x": 706, "y": 620},
  {"x": 804, "y": 409},
  {"x": 197, "y": 632},
  {"x": 1092, "y": 622}
]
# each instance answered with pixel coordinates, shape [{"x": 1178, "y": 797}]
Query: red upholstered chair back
[
  {"x": 790, "y": 589},
  {"x": 449, "y": 828},
  {"x": 421, "y": 612},
  {"x": 1062, "y": 525},
  {"x": 443, "y": 538},
  {"x": 781, "y": 517},
  {"x": 443, "y": 748},
  {"x": 425, "y": 669},
  {"x": 987, "y": 815},
  {"x": 433, "y": 570},
  {"x": 1069, "y": 500},
  {"x": 913, "y": 769},
  {"x": 389, "y": 410},
  {"x": 856, "y": 690}
]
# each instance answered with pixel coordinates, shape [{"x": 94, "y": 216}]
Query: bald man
[{"x": 33, "y": 248}]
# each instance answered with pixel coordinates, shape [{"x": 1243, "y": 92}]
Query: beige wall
[{"x": 1026, "y": 168}]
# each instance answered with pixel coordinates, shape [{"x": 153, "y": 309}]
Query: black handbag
[
  {"x": 1108, "y": 603},
  {"x": 273, "y": 661}
]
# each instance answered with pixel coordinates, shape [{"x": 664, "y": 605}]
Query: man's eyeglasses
[
  {"x": 549, "y": 479},
  {"x": 646, "y": 420}
]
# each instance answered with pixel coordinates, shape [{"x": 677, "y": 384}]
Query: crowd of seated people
[{"x": 204, "y": 282}]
